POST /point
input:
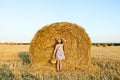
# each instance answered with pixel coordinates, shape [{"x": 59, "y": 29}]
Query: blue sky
[{"x": 21, "y": 19}]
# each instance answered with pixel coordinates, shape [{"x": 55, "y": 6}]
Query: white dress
[{"x": 60, "y": 53}]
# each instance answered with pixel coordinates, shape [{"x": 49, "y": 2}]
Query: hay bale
[
  {"x": 112, "y": 44},
  {"x": 105, "y": 45},
  {"x": 98, "y": 45},
  {"x": 77, "y": 47},
  {"x": 12, "y": 43}
]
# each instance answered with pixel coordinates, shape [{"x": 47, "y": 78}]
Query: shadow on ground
[{"x": 25, "y": 57}]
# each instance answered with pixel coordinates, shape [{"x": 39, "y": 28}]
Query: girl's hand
[{"x": 63, "y": 40}]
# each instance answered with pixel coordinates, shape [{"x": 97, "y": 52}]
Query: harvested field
[{"x": 15, "y": 64}]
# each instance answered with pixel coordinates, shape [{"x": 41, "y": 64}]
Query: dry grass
[
  {"x": 110, "y": 52},
  {"x": 10, "y": 59},
  {"x": 12, "y": 65},
  {"x": 77, "y": 47}
]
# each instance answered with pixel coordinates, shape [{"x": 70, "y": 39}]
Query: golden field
[{"x": 15, "y": 65}]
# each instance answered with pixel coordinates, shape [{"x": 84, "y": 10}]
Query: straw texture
[{"x": 77, "y": 47}]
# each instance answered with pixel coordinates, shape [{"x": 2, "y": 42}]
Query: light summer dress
[{"x": 60, "y": 53}]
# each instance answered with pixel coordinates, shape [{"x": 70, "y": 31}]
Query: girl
[{"x": 59, "y": 53}]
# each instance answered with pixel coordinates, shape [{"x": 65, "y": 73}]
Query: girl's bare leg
[
  {"x": 58, "y": 62},
  {"x": 60, "y": 65}
]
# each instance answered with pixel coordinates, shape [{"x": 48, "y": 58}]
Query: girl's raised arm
[{"x": 64, "y": 41}]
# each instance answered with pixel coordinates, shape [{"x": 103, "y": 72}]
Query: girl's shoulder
[
  {"x": 61, "y": 44},
  {"x": 57, "y": 45}
]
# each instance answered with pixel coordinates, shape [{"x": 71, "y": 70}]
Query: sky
[{"x": 21, "y": 19}]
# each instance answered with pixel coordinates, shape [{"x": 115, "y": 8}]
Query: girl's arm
[
  {"x": 64, "y": 41},
  {"x": 54, "y": 51}
]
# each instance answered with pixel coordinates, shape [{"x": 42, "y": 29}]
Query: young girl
[{"x": 59, "y": 53}]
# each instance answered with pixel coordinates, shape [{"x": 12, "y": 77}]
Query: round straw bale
[
  {"x": 76, "y": 48},
  {"x": 98, "y": 45},
  {"x": 105, "y": 45}
]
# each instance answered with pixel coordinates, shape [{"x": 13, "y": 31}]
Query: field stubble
[{"x": 15, "y": 65}]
